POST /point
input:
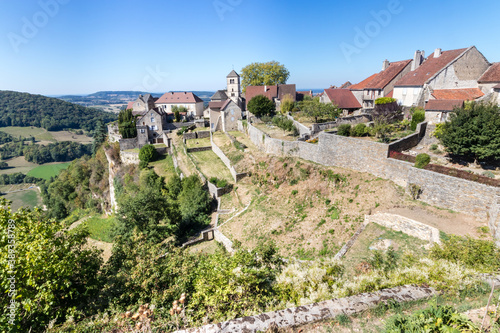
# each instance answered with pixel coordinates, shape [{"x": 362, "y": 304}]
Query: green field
[
  {"x": 47, "y": 171},
  {"x": 27, "y": 199},
  {"x": 101, "y": 228},
  {"x": 40, "y": 134},
  {"x": 211, "y": 165}
]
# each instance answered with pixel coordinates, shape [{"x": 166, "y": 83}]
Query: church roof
[
  {"x": 219, "y": 95},
  {"x": 233, "y": 74}
]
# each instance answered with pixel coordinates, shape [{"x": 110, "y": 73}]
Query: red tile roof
[
  {"x": 268, "y": 91},
  {"x": 178, "y": 98},
  {"x": 462, "y": 94},
  {"x": 362, "y": 84},
  {"x": 492, "y": 74},
  {"x": 429, "y": 68},
  {"x": 271, "y": 92},
  {"x": 308, "y": 93},
  {"x": 343, "y": 98},
  {"x": 382, "y": 79},
  {"x": 130, "y": 105},
  {"x": 443, "y": 105}
]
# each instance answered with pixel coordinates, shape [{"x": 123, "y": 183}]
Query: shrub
[
  {"x": 489, "y": 174},
  {"x": 147, "y": 154},
  {"x": 418, "y": 117},
  {"x": 422, "y": 160},
  {"x": 478, "y": 254},
  {"x": 437, "y": 318},
  {"x": 359, "y": 130},
  {"x": 434, "y": 147},
  {"x": 384, "y": 100},
  {"x": 220, "y": 183},
  {"x": 344, "y": 130}
]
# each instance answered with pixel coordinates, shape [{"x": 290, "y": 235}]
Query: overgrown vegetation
[
  {"x": 23, "y": 109},
  {"x": 126, "y": 124},
  {"x": 473, "y": 132}
]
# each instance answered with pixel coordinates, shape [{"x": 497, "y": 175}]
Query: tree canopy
[
  {"x": 473, "y": 132},
  {"x": 316, "y": 110},
  {"x": 263, "y": 73},
  {"x": 260, "y": 106},
  {"x": 23, "y": 109},
  {"x": 53, "y": 271},
  {"x": 126, "y": 124}
]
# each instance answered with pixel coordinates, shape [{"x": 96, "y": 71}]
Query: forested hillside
[{"x": 23, "y": 109}]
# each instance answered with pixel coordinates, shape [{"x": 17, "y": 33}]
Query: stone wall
[
  {"x": 219, "y": 237},
  {"x": 126, "y": 144},
  {"x": 367, "y": 156},
  {"x": 189, "y": 136},
  {"x": 406, "y": 225},
  {"x": 236, "y": 175},
  {"x": 303, "y": 130},
  {"x": 217, "y": 192},
  {"x": 193, "y": 150},
  {"x": 203, "y": 134},
  {"x": 128, "y": 157},
  {"x": 315, "y": 312},
  {"x": 411, "y": 140},
  {"x": 353, "y": 120}
]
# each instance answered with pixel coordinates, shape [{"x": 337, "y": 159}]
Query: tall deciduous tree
[
  {"x": 316, "y": 110},
  {"x": 263, "y": 73},
  {"x": 260, "y": 106},
  {"x": 473, "y": 132}
]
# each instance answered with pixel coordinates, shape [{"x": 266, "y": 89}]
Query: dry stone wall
[
  {"x": 406, "y": 225},
  {"x": 367, "y": 156},
  {"x": 236, "y": 176},
  {"x": 318, "y": 311}
]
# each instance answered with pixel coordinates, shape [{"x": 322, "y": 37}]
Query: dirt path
[{"x": 444, "y": 220}]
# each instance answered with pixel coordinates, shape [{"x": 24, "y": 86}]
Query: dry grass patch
[
  {"x": 306, "y": 209},
  {"x": 275, "y": 132}
]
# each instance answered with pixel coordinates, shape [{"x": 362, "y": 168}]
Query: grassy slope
[
  {"x": 47, "y": 171},
  {"x": 27, "y": 199}
]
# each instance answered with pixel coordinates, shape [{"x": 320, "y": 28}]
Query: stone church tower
[{"x": 233, "y": 86}]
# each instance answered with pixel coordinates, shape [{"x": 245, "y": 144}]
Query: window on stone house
[
  {"x": 143, "y": 131},
  {"x": 231, "y": 81},
  {"x": 152, "y": 119}
]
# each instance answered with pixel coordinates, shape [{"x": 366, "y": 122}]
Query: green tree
[
  {"x": 126, "y": 124},
  {"x": 263, "y": 73},
  {"x": 99, "y": 136},
  {"x": 177, "y": 112},
  {"x": 147, "y": 154},
  {"x": 473, "y": 132},
  {"x": 54, "y": 274},
  {"x": 287, "y": 104},
  {"x": 194, "y": 203},
  {"x": 316, "y": 110},
  {"x": 417, "y": 117},
  {"x": 260, "y": 106}
]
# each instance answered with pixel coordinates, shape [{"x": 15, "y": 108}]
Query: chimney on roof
[
  {"x": 437, "y": 53},
  {"x": 265, "y": 88},
  {"x": 418, "y": 58},
  {"x": 385, "y": 64}
]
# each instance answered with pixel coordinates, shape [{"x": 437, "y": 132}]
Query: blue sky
[{"x": 82, "y": 46}]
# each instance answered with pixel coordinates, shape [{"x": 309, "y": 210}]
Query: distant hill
[
  {"x": 119, "y": 97},
  {"x": 53, "y": 114}
]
